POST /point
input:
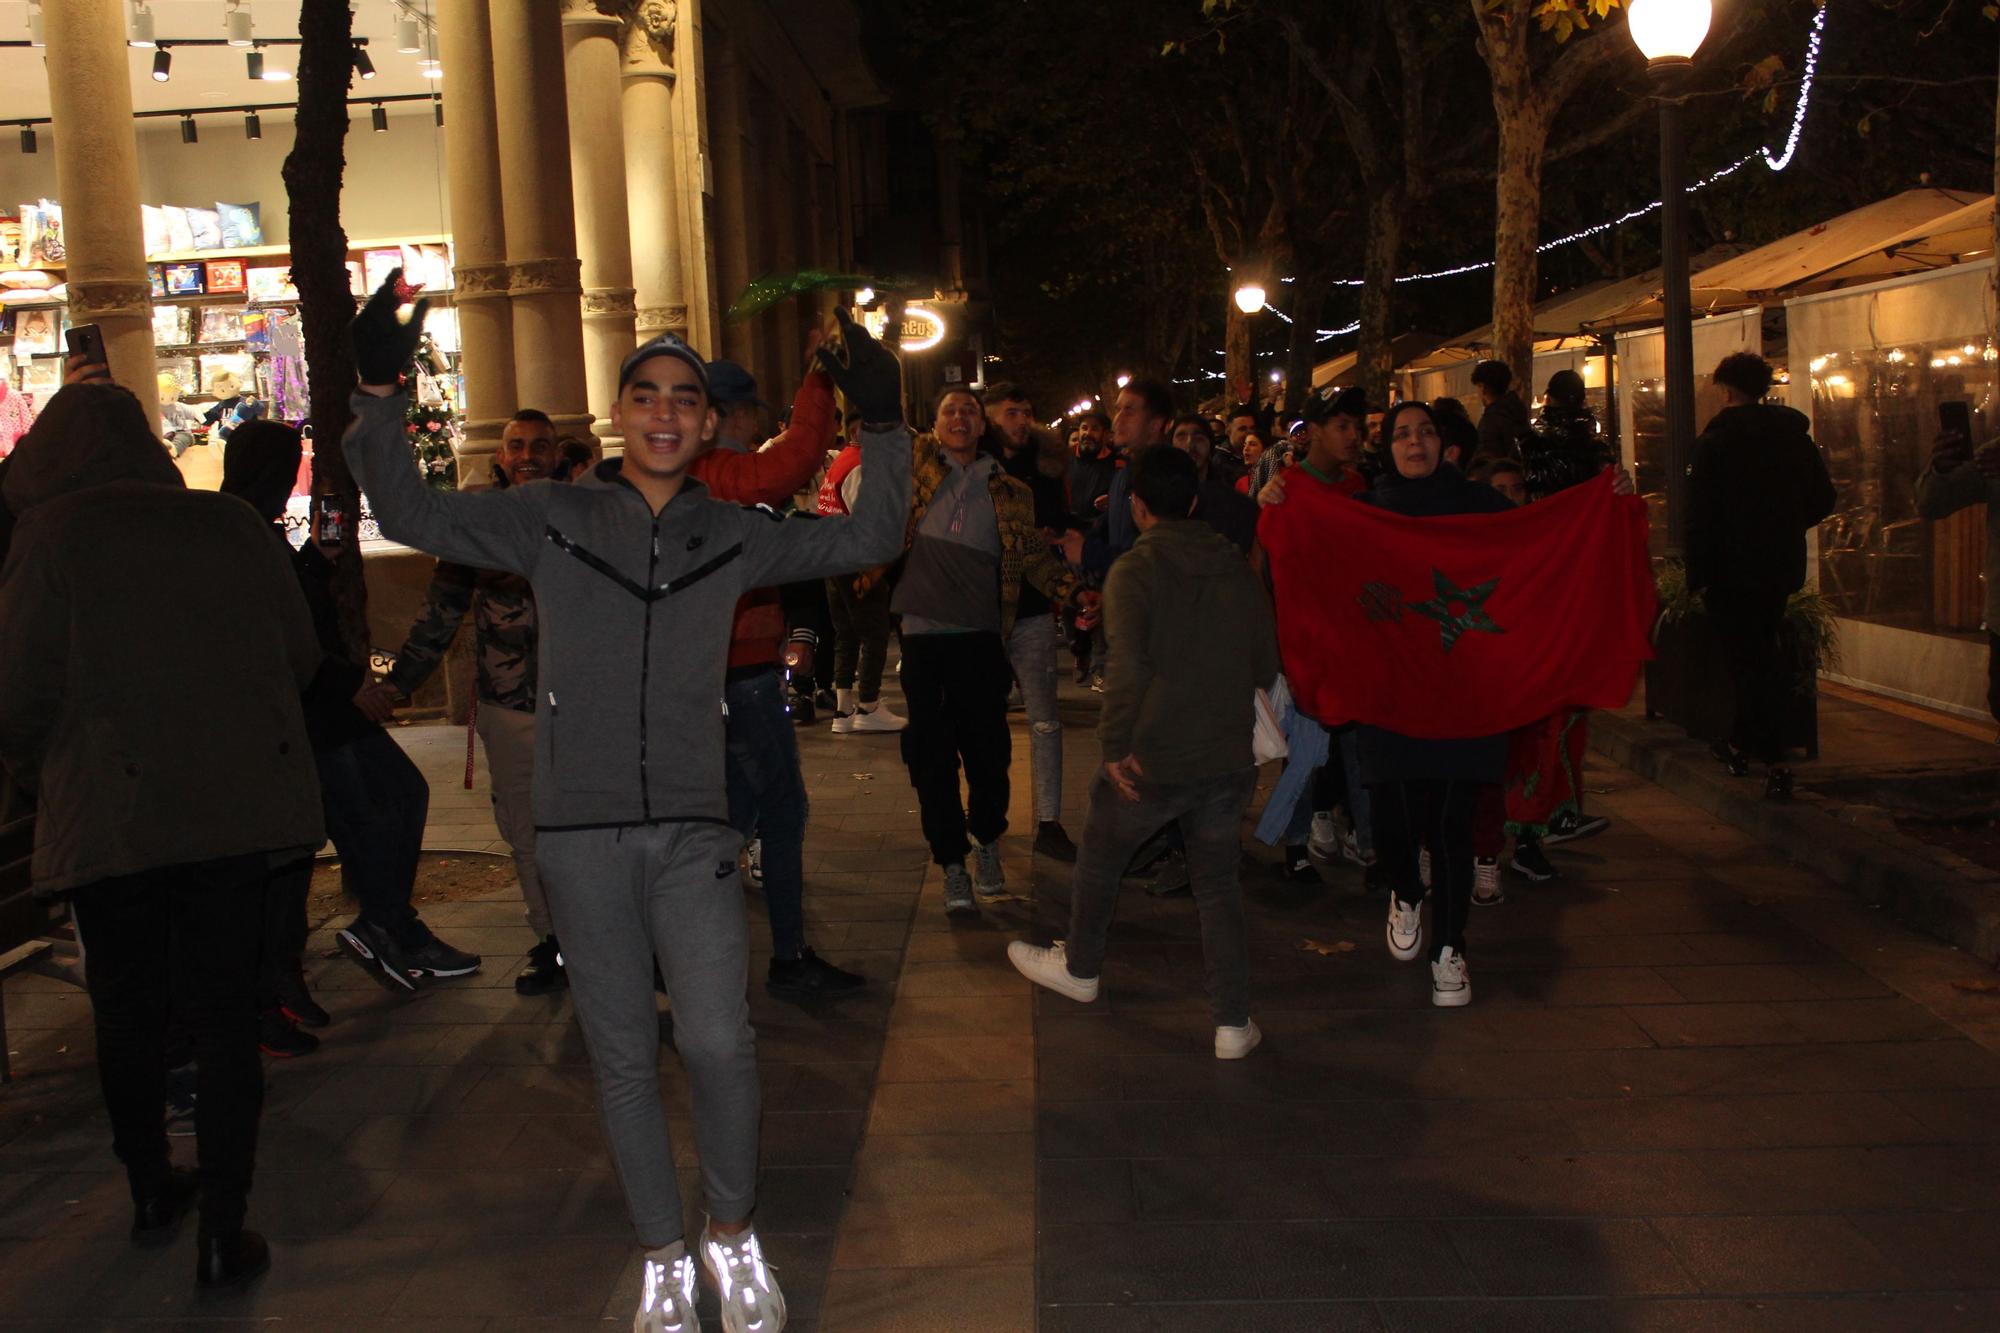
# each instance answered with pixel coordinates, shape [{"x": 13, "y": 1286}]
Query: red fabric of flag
[{"x": 1463, "y": 625}]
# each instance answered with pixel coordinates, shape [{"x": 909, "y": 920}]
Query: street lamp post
[{"x": 1668, "y": 33}]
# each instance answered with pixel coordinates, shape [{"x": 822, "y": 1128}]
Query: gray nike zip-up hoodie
[{"x": 635, "y": 608}]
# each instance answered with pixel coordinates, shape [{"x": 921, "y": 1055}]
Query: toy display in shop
[
  {"x": 179, "y": 423},
  {"x": 16, "y": 415}
]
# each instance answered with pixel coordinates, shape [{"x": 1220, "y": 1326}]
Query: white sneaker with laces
[
  {"x": 1324, "y": 841},
  {"x": 1049, "y": 968},
  {"x": 989, "y": 880},
  {"x": 1235, "y": 1043},
  {"x": 753, "y": 862},
  {"x": 1350, "y": 850},
  {"x": 1405, "y": 929},
  {"x": 744, "y": 1286},
  {"x": 1451, "y": 983},
  {"x": 843, "y": 723},
  {"x": 666, "y": 1300},
  {"x": 875, "y": 717},
  {"x": 1486, "y": 890}
]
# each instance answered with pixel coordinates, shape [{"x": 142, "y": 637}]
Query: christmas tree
[{"x": 430, "y": 430}]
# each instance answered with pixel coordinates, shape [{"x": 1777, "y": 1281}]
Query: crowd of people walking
[{"x": 651, "y": 631}]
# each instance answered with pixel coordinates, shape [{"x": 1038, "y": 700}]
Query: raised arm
[
  {"x": 785, "y": 550},
  {"x": 773, "y": 474}
]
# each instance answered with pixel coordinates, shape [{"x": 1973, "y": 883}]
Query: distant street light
[
  {"x": 1124, "y": 380},
  {"x": 1249, "y": 298},
  {"x": 1668, "y": 33}
]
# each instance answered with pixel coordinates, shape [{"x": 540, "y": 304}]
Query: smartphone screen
[
  {"x": 332, "y": 525},
  {"x": 1956, "y": 415}
]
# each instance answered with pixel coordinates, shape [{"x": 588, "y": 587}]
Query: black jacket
[
  {"x": 332, "y": 720},
  {"x": 1089, "y": 477},
  {"x": 1389, "y": 756},
  {"x": 1038, "y": 465},
  {"x": 1757, "y": 484},
  {"x": 1504, "y": 428}
]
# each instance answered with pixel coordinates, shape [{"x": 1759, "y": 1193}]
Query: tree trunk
[
  {"x": 1308, "y": 301},
  {"x": 313, "y": 171},
  {"x": 1993, "y": 328},
  {"x": 1517, "y": 231},
  {"x": 1237, "y": 365},
  {"x": 1375, "y": 352}
]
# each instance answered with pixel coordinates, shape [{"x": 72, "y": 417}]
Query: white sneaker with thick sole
[
  {"x": 1235, "y": 1043},
  {"x": 666, "y": 1300},
  {"x": 843, "y": 723},
  {"x": 744, "y": 1288},
  {"x": 876, "y": 718},
  {"x": 1405, "y": 929},
  {"x": 1486, "y": 890},
  {"x": 989, "y": 880},
  {"x": 1049, "y": 968},
  {"x": 1324, "y": 841},
  {"x": 1451, "y": 983}
]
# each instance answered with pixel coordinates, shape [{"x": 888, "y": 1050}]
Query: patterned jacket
[
  {"x": 1024, "y": 555},
  {"x": 503, "y": 618}
]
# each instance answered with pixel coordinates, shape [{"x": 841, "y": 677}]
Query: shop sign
[{"x": 923, "y": 328}]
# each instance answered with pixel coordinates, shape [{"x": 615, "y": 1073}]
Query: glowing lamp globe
[
  {"x": 1249, "y": 298},
  {"x": 1669, "y": 31}
]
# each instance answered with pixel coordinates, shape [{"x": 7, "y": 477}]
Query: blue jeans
[
  {"x": 375, "y": 801},
  {"x": 767, "y": 799}
]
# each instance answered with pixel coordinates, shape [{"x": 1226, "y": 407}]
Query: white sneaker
[
  {"x": 1324, "y": 841},
  {"x": 1451, "y": 983},
  {"x": 744, "y": 1288},
  {"x": 1406, "y": 929},
  {"x": 1235, "y": 1043},
  {"x": 1350, "y": 850},
  {"x": 988, "y": 879},
  {"x": 876, "y": 718},
  {"x": 1486, "y": 890},
  {"x": 843, "y": 723},
  {"x": 958, "y": 900},
  {"x": 1424, "y": 866},
  {"x": 753, "y": 863},
  {"x": 1049, "y": 968},
  {"x": 666, "y": 1301}
]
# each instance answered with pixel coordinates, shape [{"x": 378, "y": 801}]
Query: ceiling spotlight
[
  {"x": 163, "y": 65},
  {"x": 28, "y": 144},
  {"x": 362, "y": 64},
  {"x": 253, "y": 128},
  {"x": 236, "y": 24},
  {"x": 379, "y": 118},
  {"x": 35, "y": 37},
  {"x": 188, "y": 134},
  {"x": 409, "y": 37},
  {"x": 139, "y": 27},
  {"x": 430, "y": 69},
  {"x": 253, "y": 64}
]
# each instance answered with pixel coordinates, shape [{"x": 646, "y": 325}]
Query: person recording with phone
[{"x": 1958, "y": 477}]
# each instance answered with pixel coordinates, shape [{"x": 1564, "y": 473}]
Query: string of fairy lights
[{"x": 1778, "y": 161}]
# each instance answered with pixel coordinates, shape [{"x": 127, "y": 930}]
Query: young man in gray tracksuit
[{"x": 636, "y": 571}]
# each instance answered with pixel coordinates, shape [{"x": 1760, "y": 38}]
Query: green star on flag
[{"x": 1472, "y": 617}]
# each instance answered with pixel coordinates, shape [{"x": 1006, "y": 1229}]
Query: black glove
[
  {"x": 871, "y": 377},
  {"x": 384, "y": 346}
]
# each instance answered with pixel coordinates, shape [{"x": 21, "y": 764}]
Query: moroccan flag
[{"x": 1463, "y": 625}]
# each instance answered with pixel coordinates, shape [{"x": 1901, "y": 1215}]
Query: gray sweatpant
[{"x": 620, "y": 898}]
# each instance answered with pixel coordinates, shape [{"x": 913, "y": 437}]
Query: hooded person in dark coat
[
  {"x": 155, "y": 716},
  {"x": 1757, "y": 486}
]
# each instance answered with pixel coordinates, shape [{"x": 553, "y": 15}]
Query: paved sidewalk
[{"x": 1697, "y": 1089}]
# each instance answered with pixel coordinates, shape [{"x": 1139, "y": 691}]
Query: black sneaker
[
  {"x": 800, "y": 706},
  {"x": 156, "y": 1217},
  {"x": 1731, "y": 758},
  {"x": 1052, "y": 840},
  {"x": 1570, "y": 826},
  {"x": 1171, "y": 879},
  {"x": 1778, "y": 784},
  {"x": 298, "y": 1003},
  {"x": 824, "y": 699},
  {"x": 809, "y": 976},
  {"x": 1298, "y": 865},
  {"x": 1531, "y": 861},
  {"x": 437, "y": 959},
  {"x": 544, "y": 972},
  {"x": 1083, "y": 673},
  {"x": 282, "y": 1039},
  {"x": 377, "y": 951}
]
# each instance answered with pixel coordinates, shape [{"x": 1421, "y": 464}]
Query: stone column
[
  {"x": 97, "y": 175},
  {"x": 544, "y": 274},
  {"x": 654, "y": 176},
  {"x": 591, "y": 59},
  {"x": 732, "y": 214},
  {"x": 478, "y": 234}
]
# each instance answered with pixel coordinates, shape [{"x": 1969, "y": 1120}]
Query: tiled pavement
[{"x": 1697, "y": 1089}]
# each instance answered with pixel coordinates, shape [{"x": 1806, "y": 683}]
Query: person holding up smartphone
[{"x": 1958, "y": 476}]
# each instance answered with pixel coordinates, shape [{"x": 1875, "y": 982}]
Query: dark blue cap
[
  {"x": 664, "y": 345},
  {"x": 730, "y": 384}
]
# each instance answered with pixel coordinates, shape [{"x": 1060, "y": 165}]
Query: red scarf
[{"x": 1461, "y": 625}]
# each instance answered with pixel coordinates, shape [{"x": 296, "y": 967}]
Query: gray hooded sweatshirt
[{"x": 636, "y": 608}]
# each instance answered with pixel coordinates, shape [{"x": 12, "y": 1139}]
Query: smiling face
[
  {"x": 1414, "y": 444},
  {"x": 527, "y": 451},
  {"x": 958, "y": 426},
  {"x": 664, "y": 416}
]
